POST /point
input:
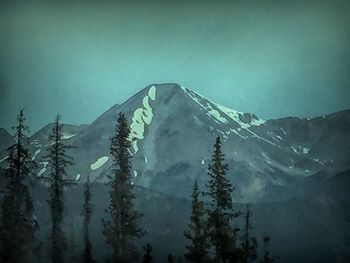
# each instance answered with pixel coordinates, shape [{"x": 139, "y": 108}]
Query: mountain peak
[
  {"x": 165, "y": 85},
  {"x": 183, "y": 97}
]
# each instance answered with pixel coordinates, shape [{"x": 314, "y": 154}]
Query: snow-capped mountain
[
  {"x": 173, "y": 130},
  {"x": 296, "y": 171}
]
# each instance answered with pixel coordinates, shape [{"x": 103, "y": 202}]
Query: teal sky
[{"x": 78, "y": 58}]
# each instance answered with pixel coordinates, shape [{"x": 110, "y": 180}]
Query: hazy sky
[{"x": 78, "y": 58}]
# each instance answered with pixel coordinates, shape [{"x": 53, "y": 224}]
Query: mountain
[
  {"x": 295, "y": 171},
  {"x": 6, "y": 140},
  {"x": 173, "y": 130}
]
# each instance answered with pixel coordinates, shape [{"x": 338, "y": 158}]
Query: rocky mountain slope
[
  {"x": 6, "y": 140},
  {"x": 174, "y": 128}
]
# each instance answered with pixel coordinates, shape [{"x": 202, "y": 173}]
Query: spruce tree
[
  {"x": 87, "y": 210},
  {"x": 123, "y": 226},
  {"x": 267, "y": 258},
  {"x": 249, "y": 243},
  {"x": 58, "y": 160},
  {"x": 147, "y": 258},
  {"x": 220, "y": 210},
  {"x": 197, "y": 234},
  {"x": 18, "y": 221}
]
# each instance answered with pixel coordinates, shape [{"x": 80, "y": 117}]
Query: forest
[{"x": 213, "y": 233}]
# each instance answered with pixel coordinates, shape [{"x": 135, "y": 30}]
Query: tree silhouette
[
  {"x": 18, "y": 221},
  {"x": 249, "y": 243},
  {"x": 197, "y": 234},
  {"x": 267, "y": 258},
  {"x": 220, "y": 211},
  {"x": 147, "y": 258},
  {"x": 123, "y": 225},
  {"x": 87, "y": 210},
  {"x": 58, "y": 160}
]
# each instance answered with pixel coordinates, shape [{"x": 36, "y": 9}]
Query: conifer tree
[
  {"x": 197, "y": 234},
  {"x": 220, "y": 210},
  {"x": 87, "y": 210},
  {"x": 18, "y": 221},
  {"x": 123, "y": 226},
  {"x": 267, "y": 258},
  {"x": 147, "y": 258},
  {"x": 249, "y": 243},
  {"x": 58, "y": 160}
]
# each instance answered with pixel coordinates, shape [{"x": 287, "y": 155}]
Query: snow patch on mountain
[
  {"x": 49, "y": 144},
  {"x": 152, "y": 93},
  {"x": 237, "y": 133},
  {"x": 141, "y": 117},
  {"x": 279, "y": 137},
  {"x": 43, "y": 170},
  {"x": 219, "y": 112},
  {"x": 66, "y": 136},
  {"x": 206, "y": 104},
  {"x": 318, "y": 161},
  {"x": 77, "y": 178},
  {"x": 99, "y": 163},
  {"x": 294, "y": 150},
  {"x": 147, "y": 112},
  {"x": 35, "y": 154},
  {"x": 35, "y": 142},
  {"x": 261, "y": 138},
  {"x": 285, "y": 133},
  {"x": 217, "y": 115},
  {"x": 235, "y": 115},
  {"x": 267, "y": 158},
  {"x": 3, "y": 159},
  {"x": 305, "y": 150}
]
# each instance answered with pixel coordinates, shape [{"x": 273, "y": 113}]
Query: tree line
[{"x": 212, "y": 233}]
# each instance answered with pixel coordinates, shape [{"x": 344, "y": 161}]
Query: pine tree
[
  {"x": 267, "y": 258},
  {"x": 123, "y": 225},
  {"x": 197, "y": 234},
  {"x": 147, "y": 258},
  {"x": 220, "y": 211},
  {"x": 58, "y": 160},
  {"x": 249, "y": 243},
  {"x": 87, "y": 210},
  {"x": 18, "y": 221}
]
